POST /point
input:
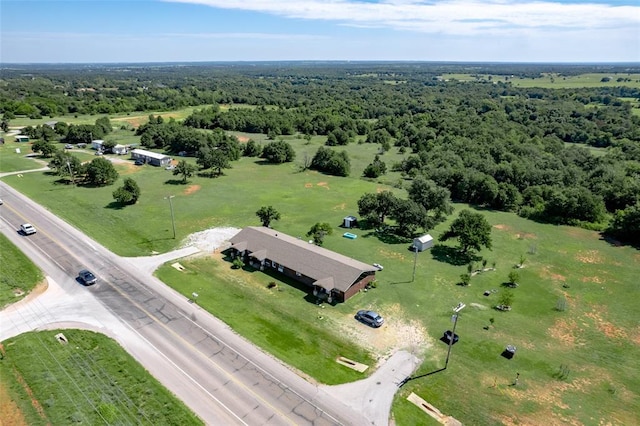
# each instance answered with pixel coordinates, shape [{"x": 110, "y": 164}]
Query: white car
[
  {"x": 27, "y": 229},
  {"x": 379, "y": 266}
]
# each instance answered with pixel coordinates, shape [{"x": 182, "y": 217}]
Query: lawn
[
  {"x": 556, "y": 81},
  {"x": 232, "y": 199},
  {"x": 573, "y": 320},
  {"x": 90, "y": 380},
  {"x": 18, "y": 274}
]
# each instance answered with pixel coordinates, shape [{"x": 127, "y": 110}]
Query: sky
[{"x": 107, "y": 31}]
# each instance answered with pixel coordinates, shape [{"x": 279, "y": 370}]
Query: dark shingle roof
[{"x": 308, "y": 259}]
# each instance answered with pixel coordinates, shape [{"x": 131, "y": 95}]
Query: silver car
[{"x": 370, "y": 318}]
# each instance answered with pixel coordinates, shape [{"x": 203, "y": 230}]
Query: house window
[{"x": 298, "y": 274}]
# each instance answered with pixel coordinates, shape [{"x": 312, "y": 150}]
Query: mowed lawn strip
[
  {"x": 90, "y": 380},
  {"x": 18, "y": 274}
]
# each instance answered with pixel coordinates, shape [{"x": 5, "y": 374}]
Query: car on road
[
  {"x": 68, "y": 146},
  {"x": 87, "y": 277},
  {"x": 370, "y": 318},
  {"x": 27, "y": 229}
]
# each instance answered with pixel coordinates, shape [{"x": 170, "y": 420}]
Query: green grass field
[
  {"x": 91, "y": 380},
  {"x": 18, "y": 274},
  {"x": 556, "y": 81},
  {"x": 573, "y": 319}
]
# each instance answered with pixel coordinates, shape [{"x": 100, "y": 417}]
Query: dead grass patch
[
  {"x": 191, "y": 189},
  {"x": 546, "y": 273},
  {"x": 589, "y": 256},
  {"x": 10, "y": 413},
  {"x": 565, "y": 331},
  {"x": 606, "y": 327},
  {"x": 242, "y": 139},
  {"x": 339, "y": 207},
  {"x": 323, "y": 185},
  {"x": 594, "y": 279},
  {"x": 392, "y": 255},
  {"x": 502, "y": 227},
  {"x": 397, "y": 333}
]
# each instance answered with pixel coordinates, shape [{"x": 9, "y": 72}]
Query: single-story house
[
  {"x": 149, "y": 157},
  {"x": 328, "y": 274},
  {"x": 423, "y": 243},
  {"x": 22, "y": 138},
  {"x": 97, "y": 144},
  {"x": 120, "y": 149}
]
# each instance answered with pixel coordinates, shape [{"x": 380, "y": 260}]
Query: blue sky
[{"x": 267, "y": 30}]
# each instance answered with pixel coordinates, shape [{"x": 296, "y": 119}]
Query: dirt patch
[
  {"x": 339, "y": 207},
  {"x": 589, "y": 256},
  {"x": 502, "y": 227},
  {"x": 10, "y": 413},
  {"x": 397, "y": 333},
  {"x": 308, "y": 185},
  {"x": 36, "y": 404},
  {"x": 594, "y": 279},
  {"x": 242, "y": 139},
  {"x": 191, "y": 189},
  {"x": 565, "y": 331},
  {"x": 547, "y": 274},
  {"x": 323, "y": 185},
  {"x": 606, "y": 327}
]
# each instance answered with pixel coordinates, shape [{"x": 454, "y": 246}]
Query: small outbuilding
[
  {"x": 423, "y": 243},
  {"x": 22, "y": 138},
  {"x": 350, "y": 222},
  {"x": 120, "y": 149},
  {"x": 97, "y": 144},
  {"x": 150, "y": 157}
]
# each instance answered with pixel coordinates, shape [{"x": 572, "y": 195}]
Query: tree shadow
[
  {"x": 611, "y": 240},
  {"x": 175, "y": 182},
  {"x": 452, "y": 255},
  {"x": 211, "y": 174},
  {"x": 115, "y": 205}
]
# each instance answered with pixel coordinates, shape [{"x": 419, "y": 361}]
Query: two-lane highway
[{"x": 219, "y": 375}]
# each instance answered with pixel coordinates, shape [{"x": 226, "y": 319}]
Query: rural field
[
  {"x": 557, "y": 81},
  {"x": 573, "y": 319}
]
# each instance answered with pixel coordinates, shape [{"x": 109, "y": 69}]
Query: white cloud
[{"x": 455, "y": 17}]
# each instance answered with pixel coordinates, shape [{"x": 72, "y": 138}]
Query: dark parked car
[
  {"x": 447, "y": 337},
  {"x": 87, "y": 277},
  {"x": 370, "y": 318}
]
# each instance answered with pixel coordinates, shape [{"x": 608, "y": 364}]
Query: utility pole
[
  {"x": 456, "y": 314},
  {"x": 173, "y": 221},
  {"x": 415, "y": 260},
  {"x": 71, "y": 173}
]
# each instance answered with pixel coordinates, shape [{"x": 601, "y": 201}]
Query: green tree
[
  {"x": 47, "y": 149},
  {"x": 278, "y": 152},
  {"x": 409, "y": 216},
  {"x": 626, "y": 224},
  {"x": 319, "y": 231},
  {"x": 472, "y": 231},
  {"x": 376, "y": 207},
  {"x": 100, "y": 172},
  {"x": 435, "y": 200},
  {"x": 375, "y": 169},
  {"x": 267, "y": 214},
  {"x": 513, "y": 277},
  {"x": 213, "y": 158},
  {"x": 185, "y": 169},
  {"x": 252, "y": 149},
  {"x": 128, "y": 193},
  {"x": 66, "y": 164}
]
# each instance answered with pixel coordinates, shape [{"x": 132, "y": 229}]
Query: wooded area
[{"x": 489, "y": 143}]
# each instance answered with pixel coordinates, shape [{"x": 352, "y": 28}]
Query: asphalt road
[{"x": 223, "y": 378}]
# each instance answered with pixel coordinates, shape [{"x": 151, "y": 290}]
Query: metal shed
[{"x": 423, "y": 243}]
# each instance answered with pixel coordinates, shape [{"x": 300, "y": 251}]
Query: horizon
[{"x": 191, "y": 31}]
